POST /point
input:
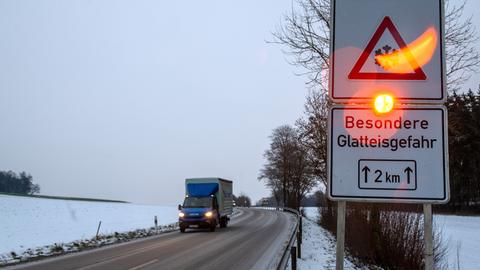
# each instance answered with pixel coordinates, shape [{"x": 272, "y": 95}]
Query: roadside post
[
  {"x": 299, "y": 236},
  {"x": 299, "y": 245},
  {"x": 301, "y": 228},
  {"x": 156, "y": 224},
  {"x": 293, "y": 255},
  {"x": 388, "y": 129},
  {"x": 98, "y": 229}
]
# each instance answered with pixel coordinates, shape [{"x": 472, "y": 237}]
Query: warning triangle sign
[{"x": 356, "y": 73}]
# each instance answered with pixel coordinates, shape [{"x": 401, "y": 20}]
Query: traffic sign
[
  {"x": 401, "y": 156},
  {"x": 385, "y": 46},
  {"x": 417, "y": 74}
]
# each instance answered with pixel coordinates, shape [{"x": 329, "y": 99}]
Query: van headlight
[
  {"x": 209, "y": 214},
  {"x": 181, "y": 214}
]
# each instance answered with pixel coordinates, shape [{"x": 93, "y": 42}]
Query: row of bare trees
[{"x": 289, "y": 170}]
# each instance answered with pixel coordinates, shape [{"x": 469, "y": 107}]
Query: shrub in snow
[
  {"x": 56, "y": 249},
  {"x": 386, "y": 235}
]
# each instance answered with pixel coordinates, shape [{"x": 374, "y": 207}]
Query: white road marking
[{"x": 143, "y": 264}]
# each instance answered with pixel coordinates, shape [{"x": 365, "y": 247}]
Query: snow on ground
[
  {"x": 461, "y": 234},
  {"x": 33, "y": 222},
  {"x": 318, "y": 247},
  {"x": 311, "y": 213}
]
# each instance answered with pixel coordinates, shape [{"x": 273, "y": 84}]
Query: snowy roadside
[
  {"x": 460, "y": 234},
  {"x": 318, "y": 248},
  {"x": 79, "y": 245},
  {"x": 38, "y": 227}
]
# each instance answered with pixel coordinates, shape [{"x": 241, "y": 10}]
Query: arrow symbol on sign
[
  {"x": 408, "y": 171},
  {"x": 366, "y": 170}
]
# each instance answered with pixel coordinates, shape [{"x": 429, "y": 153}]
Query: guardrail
[
  {"x": 291, "y": 251},
  {"x": 296, "y": 237}
]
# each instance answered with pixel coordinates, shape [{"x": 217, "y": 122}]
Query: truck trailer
[{"x": 208, "y": 203}]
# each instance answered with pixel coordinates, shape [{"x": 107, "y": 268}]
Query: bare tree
[
  {"x": 276, "y": 171},
  {"x": 288, "y": 170},
  {"x": 312, "y": 128},
  {"x": 462, "y": 55},
  {"x": 306, "y": 34}
]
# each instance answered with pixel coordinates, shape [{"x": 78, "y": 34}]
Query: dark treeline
[
  {"x": 21, "y": 183},
  {"x": 464, "y": 152},
  {"x": 243, "y": 200}
]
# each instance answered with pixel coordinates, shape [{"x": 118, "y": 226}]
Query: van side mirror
[{"x": 179, "y": 207}]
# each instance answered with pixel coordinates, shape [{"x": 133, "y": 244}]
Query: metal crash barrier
[{"x": 296, "y": 238}]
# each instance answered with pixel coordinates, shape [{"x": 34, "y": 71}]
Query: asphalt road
[{"x": 253, "y": 240}]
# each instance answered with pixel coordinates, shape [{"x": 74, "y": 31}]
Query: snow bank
[
  {"x": 318, "y": 248},
  {"x": 34, "y": 222}
]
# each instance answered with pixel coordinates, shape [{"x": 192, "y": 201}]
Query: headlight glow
[
  {"x": 383, "y": 103},
  {"x": 181, "y": 214},
  {"x": 208, "y": 214}
]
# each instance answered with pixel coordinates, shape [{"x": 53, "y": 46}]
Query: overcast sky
[{"x": 125, "y": 99}]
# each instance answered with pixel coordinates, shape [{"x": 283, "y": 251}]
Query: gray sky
[{"x": 125, "y": 99}]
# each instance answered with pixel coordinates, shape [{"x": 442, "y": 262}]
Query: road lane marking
[
  {"x": 143, "y": 264},
  {"x": 131, "y": 252}
]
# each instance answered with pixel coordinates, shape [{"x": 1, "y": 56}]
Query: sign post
[
  {"x": 387, "y": 135},
  {"x": 428, "y": 232},
  {"x": 341, "y": 207}
]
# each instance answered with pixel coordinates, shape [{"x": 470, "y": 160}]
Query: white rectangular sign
[
  {"x": 401, "y": 156},
  {"x": 387, "y": 46}
]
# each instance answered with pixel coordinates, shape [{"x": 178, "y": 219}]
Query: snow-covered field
[
  {"x": 34, "y": 222},
  {"x": 461, "y": 235}
]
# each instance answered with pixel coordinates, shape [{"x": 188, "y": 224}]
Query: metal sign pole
[
  {"x": 340, "y": 234},
  {"x": 427, "y": 223}
]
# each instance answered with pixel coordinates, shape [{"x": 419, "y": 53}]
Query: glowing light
[
  {"x": 383, "y": 103},
  {"x": 421, "y": 50},
  {"x": 181, "y": 214},
  {"x": 208, "y": 214}
]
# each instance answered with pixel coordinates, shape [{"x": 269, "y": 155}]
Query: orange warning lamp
[{"x": 383, "y": 103}]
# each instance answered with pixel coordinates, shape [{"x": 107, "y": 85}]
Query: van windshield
[{"x": 198, "y": 202}]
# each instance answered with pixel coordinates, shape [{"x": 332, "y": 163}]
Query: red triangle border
[{"x": 387, "y": 23}]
